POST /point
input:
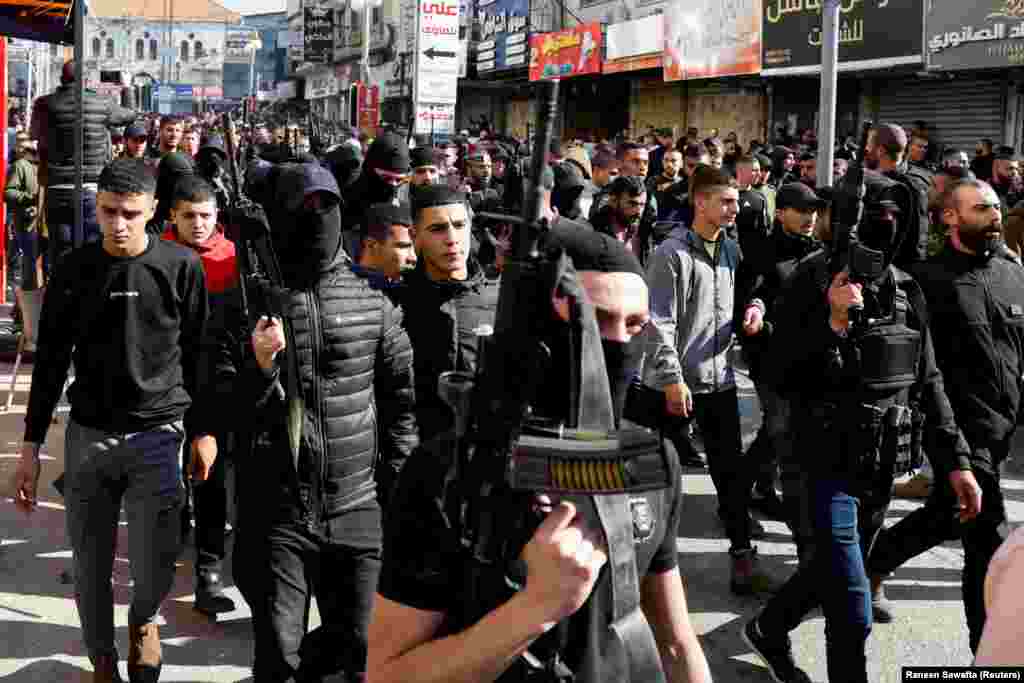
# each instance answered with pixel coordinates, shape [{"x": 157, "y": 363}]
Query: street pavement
[{"x": 40, "y": 638}]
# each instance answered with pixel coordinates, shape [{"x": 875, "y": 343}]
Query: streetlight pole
[{"x": 827, "y": 113}]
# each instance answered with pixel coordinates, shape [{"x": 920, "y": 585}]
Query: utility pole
[{"x": 827, "y": 113}]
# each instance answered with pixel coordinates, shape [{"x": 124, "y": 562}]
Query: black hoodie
[{"x": 388, "y": 152}]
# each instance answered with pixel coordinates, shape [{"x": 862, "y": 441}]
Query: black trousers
[
  {"x": 278, "y": 569},
  {"x": 935, "y": 522},
  {"x": 210, "y": 505},
  {"x": 718, "y": 416}
]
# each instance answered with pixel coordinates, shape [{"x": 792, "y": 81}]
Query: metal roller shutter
[{"x": 959, "y": 112}]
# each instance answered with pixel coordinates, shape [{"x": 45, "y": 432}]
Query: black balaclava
[
  {"x": 307, "y": 242},
  {"x": 389, "y": 152},
  {"x": 569, "y": 186},
  {"x": 173, "y": 167},
  {"x": 589, "y": 251},
  {"x": 344, "y": 163}
]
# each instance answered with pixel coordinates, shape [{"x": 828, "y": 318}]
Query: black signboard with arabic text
[
  {"x": 974, "y": 35},
  {"x": 318, "y": 35},
  {"x": 888, "y": 30}
]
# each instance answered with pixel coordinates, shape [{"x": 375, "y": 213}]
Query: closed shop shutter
[
  {"x": 657, "y": 104},
  {"x": 742, "y": 111},
  {"x": 958, "y": 112},
  {"x": 518, "y": 118}
]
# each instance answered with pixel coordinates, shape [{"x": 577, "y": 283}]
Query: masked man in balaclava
[
  {"x": 173, "y": 167},
  {"x": 212, "y": 165},
  {"x": 385, "y": 169},
  {"x": 850, "y": 347},
  {"x": 309, "y": 513}
]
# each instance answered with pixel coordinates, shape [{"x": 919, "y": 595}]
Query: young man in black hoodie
[
  {"x": 309, "y": 510},
  {"x": 136, "y": 345},
  {"x": 447, "y": 301}
]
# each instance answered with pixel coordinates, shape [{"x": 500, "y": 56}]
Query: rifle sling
[{"x": 639, "y": 658}]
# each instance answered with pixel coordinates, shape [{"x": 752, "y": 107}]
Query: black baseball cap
[
  {"x": 798, "y": 196},
  {"x": 135, "y": 130}
]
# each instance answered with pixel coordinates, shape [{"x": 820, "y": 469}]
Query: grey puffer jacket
[{"x": 692, "y": 311}]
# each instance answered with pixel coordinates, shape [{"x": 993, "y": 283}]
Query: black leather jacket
[{"x": 355, "y": 366}]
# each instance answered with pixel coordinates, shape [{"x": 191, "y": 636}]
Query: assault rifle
[
  {"x": 261, "y": 282},
  {"x": 846, "y": 252},
  {"x": 503, "y": 457}
]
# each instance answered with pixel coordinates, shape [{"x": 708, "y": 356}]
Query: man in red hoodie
[{"x": 193, "y": 223}]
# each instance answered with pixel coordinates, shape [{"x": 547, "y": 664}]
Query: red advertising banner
[{"x": 568, "y": 53}]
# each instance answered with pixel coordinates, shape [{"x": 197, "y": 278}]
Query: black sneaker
[
  {"x": 777, "y": 654},
  {"x": 210, "y": 596}
]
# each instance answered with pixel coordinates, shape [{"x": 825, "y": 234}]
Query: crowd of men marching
[{"x": 880, "y": 319}]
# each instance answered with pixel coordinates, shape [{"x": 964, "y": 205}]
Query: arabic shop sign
[
  {"x": 318, "y": 35},
  {"x": 974, "y": 35},
  {"x": 566, "y": 53},
  {"x": 503, "y": 34},
  {"x": 872, "y": 34}
]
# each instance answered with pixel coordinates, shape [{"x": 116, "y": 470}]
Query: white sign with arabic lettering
[{"x": 437, "y": 51}]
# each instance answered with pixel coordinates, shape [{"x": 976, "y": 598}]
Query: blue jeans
[
  {"x": 60, "y": 220},
  {"x": 835, "y": 578},
  {"x": 843, "y": 537},
  {"x": 102, "y": 469}
]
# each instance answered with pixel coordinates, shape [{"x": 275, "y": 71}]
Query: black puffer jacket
[
  {"x": 60, "y": 134},
  {"x": 355, "y": 365},
  {"x": 442, "y": 319}
]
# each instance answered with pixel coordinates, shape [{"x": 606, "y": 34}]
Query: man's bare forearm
[{"x": 479, "y": 654}]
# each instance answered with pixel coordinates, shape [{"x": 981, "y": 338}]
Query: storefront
[
  {"x": 870, "y": 52},
  {"x": 321, "y": 86},
  {"x": 973, "y": 53}
]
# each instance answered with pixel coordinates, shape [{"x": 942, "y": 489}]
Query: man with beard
[
  {"x": 421, "y": 630},
  {"x": 691, "y": 276},
  {"x": 917, "y": 152},
  {"x": 663, "y": 136},
  {"x": 482, "y": 194},
  {"x": 309, "y": 513},
  {"x": 605, "y": 167},
  {"x": 447, "y": 300},
  {"x": 809, "y": 169},
  {"x": 660, "y": 185},
  {"x": 1006, "y": 178},
  {"x": 387, "y": 251},
  {"x": 784, "y": 163},
  {"x": 975, "y": 307},
  {"x": 621, "y": 216},
  {"x": 849, "y": 392},
  {"x": 172, "y": 130},
  {"x": 981, "y": 165},
  {"x": 385, "y": 169},
  {"x": 423, "y": 172},
  {"x": 633, "y": 162},
  {"x": 886, "y": 145}
]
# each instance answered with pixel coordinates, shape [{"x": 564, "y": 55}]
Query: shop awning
[{"x": 45, "y": 21}]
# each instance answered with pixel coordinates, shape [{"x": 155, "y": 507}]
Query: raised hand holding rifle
[
  {"x": 260, "y": 283},
  {"x": 589, "y": 464}
]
